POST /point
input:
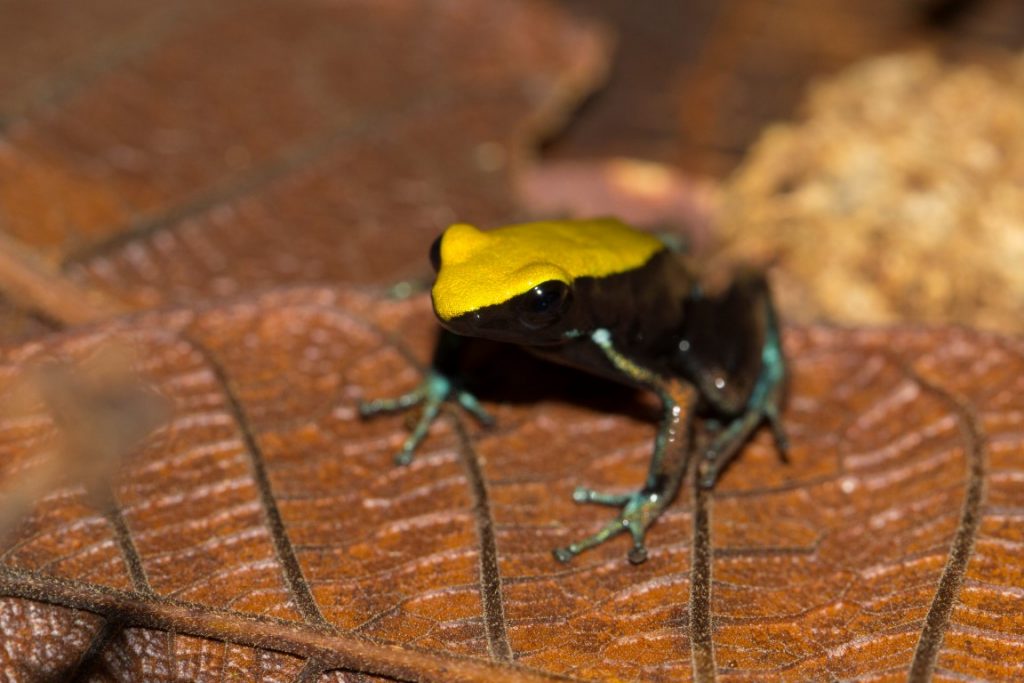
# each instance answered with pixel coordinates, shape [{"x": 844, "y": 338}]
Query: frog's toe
[
  {"x": 726, "y": 445},
  {"x": 433, "y": 392},
  {"x": 471, "y": 404},
  {"x": 431, "y": 409},
  {"x": 565, "y": 554},
  {"x": 639, "y": 510},
  {"x": 391, "y": 405},
  {"x": 584, "y": 495},
  {"x": 771, "y": 414}
]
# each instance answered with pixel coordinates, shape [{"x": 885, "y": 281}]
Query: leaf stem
[{"x": 334, "y": 650}]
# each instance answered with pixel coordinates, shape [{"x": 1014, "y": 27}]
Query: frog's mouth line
[
  {"x": 597, "y": 302},
  {"x": 499, "y": 323}
]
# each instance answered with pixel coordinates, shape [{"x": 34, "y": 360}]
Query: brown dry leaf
[
  {"x": 17, "y": 325},
  {"x": 264, "y": 532},
  {"x": 166, "y": 153},
  {"x": 199, "y": 149}
]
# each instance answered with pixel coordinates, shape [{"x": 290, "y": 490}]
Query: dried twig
[{"x": 33, "y": 284}]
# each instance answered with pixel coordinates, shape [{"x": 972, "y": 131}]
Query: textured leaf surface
[{"x": 267, "y": 514}]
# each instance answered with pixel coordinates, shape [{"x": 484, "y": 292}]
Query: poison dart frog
[{"x": 617, "y": 302}]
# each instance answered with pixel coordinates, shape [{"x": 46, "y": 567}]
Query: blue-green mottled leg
[
  {"x": 762, "y": 406},
  {"x": 640, "y": 508},
  {"x": 436, "y": 388}
]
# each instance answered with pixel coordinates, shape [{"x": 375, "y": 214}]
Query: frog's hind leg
[
  {"x": 640, "y": 508},
  {"x": 762, "y": 405}
]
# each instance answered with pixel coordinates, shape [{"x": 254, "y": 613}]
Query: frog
[{"x": 617, "y": 302}]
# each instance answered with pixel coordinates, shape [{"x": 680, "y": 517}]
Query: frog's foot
[
  {"x": 762, "y": 406},
  {"x": 638, "y": 511},
  {"x": 432, "y": 393},
  {"x": 727, "y": 444}
]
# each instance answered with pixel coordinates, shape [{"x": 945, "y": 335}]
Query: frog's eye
[
  {"x": 435, "y": 253},
  {"x": 544, "y": 304}
]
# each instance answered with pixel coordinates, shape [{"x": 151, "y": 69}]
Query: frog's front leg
[
  {"x": 439, "y": 385},
  {"x": 640, "y": 508},
  {"x": 762, "y": 405}
]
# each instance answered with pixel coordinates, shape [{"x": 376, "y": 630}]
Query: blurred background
[
  {"x": 867, "y": 153},
  {"x": 694, "y": 83},
  {"x": 869, "y": 150}
]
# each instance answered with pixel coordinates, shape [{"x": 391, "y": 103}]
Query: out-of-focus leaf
[
  {"x": 17, "y": 325},
  {"x": 641, "y": 193},
  {"x": 203, "y": 149},
  {"x": 266, "y": 514}
]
